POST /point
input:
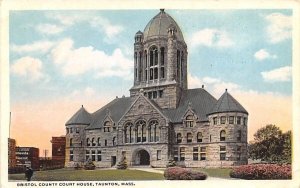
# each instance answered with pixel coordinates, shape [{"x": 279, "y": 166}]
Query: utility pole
[{"x": 9, "y": 124}]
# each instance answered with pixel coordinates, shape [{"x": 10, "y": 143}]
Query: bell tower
[{"x": 160, "y": 61}]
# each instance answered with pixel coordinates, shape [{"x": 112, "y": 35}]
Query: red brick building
[
  {"x": 12, "y": 162},
  {"x": 58, "y": 149},
  {"x": 28, "y": 156}
]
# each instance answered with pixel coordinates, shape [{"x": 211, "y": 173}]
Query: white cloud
[
  {"x": 96, "y": 21},
  {"x": 279, "y": 28},
  {"x": 214, "y": 85},
  {"x": 87, "y": 92},
  {"x": 282, "y": 74},
  {"x": 263, "y": 54},
  {"x": 28, "y": 67},
  {"x": 38, "y": 46},
  {"x": 211, "y": 38},
  {"x": 49, "y": 29},
  {"x": 87, "y": 59},
  {"x": 105, "y": 25}
]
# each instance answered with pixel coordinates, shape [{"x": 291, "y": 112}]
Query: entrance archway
[{"x": 141, "y": 157}]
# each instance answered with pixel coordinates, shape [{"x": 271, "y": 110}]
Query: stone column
[
  {"x": 148, "y": 67},
  {"x": 158, "y": 64}
]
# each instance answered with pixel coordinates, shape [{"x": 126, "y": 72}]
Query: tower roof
[
  {"x": 81, "y": 117},
  {"x": 158, "y": 26},
  {"x": 227, "y": 103}
]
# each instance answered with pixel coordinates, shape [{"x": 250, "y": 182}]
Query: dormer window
[
  {"x": 189, "y": 121},
  {"x": 107, "y": 126}
]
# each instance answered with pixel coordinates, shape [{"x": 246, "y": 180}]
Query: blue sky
[
  {"x": 227, "y": 52},
  {"x": 60, "y": 60}
]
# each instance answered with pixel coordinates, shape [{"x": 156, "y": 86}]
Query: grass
[{"x": 89, "y": 175}]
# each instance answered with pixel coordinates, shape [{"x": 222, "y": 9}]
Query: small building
[
  {"x": 58, "y": 150},
  {"x": 12, "y": 162},
  {"x": 28, "y": 156}
]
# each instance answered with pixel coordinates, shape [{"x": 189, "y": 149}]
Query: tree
[{"x": 271, "y": 145}]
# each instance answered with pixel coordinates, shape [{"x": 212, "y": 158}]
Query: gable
[{"x": 141, "y": 108}]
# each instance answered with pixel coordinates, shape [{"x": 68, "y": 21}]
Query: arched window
[
  {"x": 153, "y": 63},
  {"x": 222, "y": 135},
  {"x": 189, "y": 137},
  {"x": 128, "y": 133},
  {"x": 98, "y": 141},
  {"x": 189, "y": 121},
  {"x": 87, "y": 142},
  {"x": 107, "y": 126},
  {"x": 140, "y": 130},
  {"x": 71, "y": 142},
  {"x": 199, "y": 137},
  {"x": 162, "y": 56},
  {"x": 93, "y": 142},
  {"x": 179, "y": 138},
  {"x": 153, "y": 131},
  {"x": 140, "y": 66},
  {"x": 114, "y": 141},
  {"x": 239, "y": 135}
]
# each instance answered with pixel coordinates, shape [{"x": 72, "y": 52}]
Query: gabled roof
[
  {"x": 116, "y": 109},
  {"x": 81, "y": 117},
  {"x": 200, "y": 101},
  {"x": 227, "y": 103}
]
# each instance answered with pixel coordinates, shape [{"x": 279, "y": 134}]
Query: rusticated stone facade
[{"x": 162, "y": 119}]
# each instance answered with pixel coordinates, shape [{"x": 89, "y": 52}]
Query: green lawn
[{"x": 89, "y": 175}]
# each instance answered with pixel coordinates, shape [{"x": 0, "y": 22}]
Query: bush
[
  {"x": 16, "y": 170},
  {"x": 171, "y": 163},
  {"x": 122, "y": 165},
  {"x": 89, "y": 165},
  {"x": 262, "y": 172},
  {"x": 178, "y": 173}
]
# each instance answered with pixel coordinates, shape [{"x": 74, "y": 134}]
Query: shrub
[
  {"x": 171, "y": 163},
  {"x": 89, "y": 165},
  {"x": 262, "y": 172},
  {"x": 16, "y": 170},
  {"x": 122, "y": 165},
  {"x": 178, "y": 173}
]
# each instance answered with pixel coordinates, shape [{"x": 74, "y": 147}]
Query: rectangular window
[
  {"x": 93, "y": 155},
  {"x": 182, "y": 154},
  {"x": 71, "y": 130},
  {"x": 195, "y": 153},
  {"x": 215, "y": 120},
  {"x": 99, "y": 158},
  {"x": 238, "y": 120},
  {"x": 105, "y": 142},
  {"x": 160, "y": 93},
  {"x": 245, "y": 121},
  {"x": 154, "y": 94},
  {"x": 87, "y": 155},
  {"x": 71, "y": 155},
  {"x": 203, "y": 153},
  {"x": 189, "y": 137},
  {"x": 150, "y": 95},
  {"x": 231, "y": 119},
  {"x": 158, "y": 155},
  {"x": 175, "y": 150},
  {"x": 77, "y": 130},
  {"x": 202, "y": 156},
  {"x": 222, "y": 153},
  {"x": 223, "y": 120},
  {"x": 162, "y": 72},
  {"x": 203, "y": 149}
]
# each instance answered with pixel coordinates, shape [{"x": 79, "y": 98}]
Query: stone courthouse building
[{"x": 162, "y": 119}]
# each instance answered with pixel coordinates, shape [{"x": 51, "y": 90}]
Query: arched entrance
[{"x": 141, "y": 157}]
